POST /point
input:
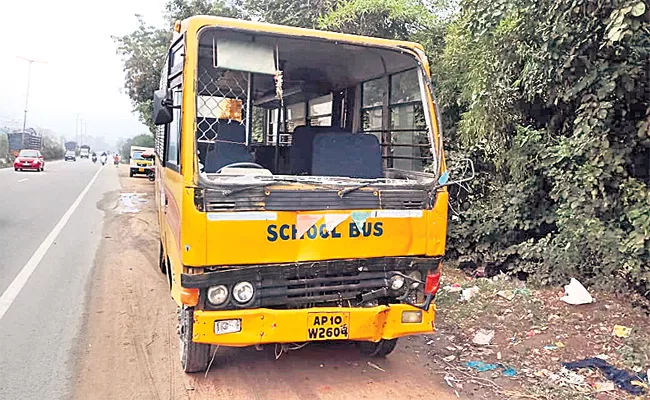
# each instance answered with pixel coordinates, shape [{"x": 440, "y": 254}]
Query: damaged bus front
[{"x": 299, "y": 195}]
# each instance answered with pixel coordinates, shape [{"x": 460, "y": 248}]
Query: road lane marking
[
  {"x": 20, "y": 280},
  {"x": 22, "y": 180}
]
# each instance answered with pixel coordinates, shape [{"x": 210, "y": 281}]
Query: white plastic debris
[
  {"x": 468, "y": 293},
  {"x": 576, "y": 294},
  {"x": 483, "y": 337}
]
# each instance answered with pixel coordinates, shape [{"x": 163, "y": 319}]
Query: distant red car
[{"x": 29, "y": 159}]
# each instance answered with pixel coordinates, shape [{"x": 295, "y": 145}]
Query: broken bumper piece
[{"x": 265, "y": 326}]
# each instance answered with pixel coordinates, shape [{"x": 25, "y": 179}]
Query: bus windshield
[{"x": 337, "y": 110}]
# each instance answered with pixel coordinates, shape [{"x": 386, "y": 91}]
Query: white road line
[
  {"x": 20, "y": 280},
  {"x": 22, "y": 180}
]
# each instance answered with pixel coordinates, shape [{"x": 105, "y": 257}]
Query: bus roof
[{"x": 197, "y": 22}]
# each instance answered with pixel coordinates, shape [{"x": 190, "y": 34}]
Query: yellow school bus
[{"x": 300, "y": 187}]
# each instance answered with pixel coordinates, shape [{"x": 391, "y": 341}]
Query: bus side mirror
[{"x": 162, "y": 107}]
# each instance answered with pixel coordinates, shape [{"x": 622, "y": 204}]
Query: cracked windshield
[{"x": 325, "y": 199}]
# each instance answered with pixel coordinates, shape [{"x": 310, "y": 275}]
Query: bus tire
[
  {"x": 194, "y": 356},
  {"x": 162, "y": 265},
  {"x": 381, "y": 348}
]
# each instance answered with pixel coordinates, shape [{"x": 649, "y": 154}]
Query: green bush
[{"x": 553, "y": 97}]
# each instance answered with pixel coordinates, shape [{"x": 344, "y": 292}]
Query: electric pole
[{"x": 29, "y": 76}]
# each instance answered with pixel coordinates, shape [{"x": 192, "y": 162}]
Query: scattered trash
[
  {"x": 468, "y": 293},
  {"x": 551, "y": 347},
  {"x": 450, "y": 348},
  {"x": 506, "y": 294},
  {"x": 576, "y": 294},
  {"x": 603, "y": 357},
  {"x": 483, "y": 337},
  {"x": 479, "y": 272},
  {"x": 498, "y": 355},
  {"x": 450, "y": 380},
  {"x": 522, "y": 291},
  {"x": 621, "y": 378},
  {"x": 480, "y": 366},
  {"x": 430, "y": 342},
  {"x": 455, "y": 288},
  {"x": 559, "y": 344},
  {"x": 130, "y": 202},
  {"x": 375, "y": 366},
  {"x": 449, "y": 358},
  {"x": 604, "y": 386},
  {"x": 621, "y": 331}
]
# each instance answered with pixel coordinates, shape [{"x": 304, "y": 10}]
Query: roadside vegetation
[
  {"x": 124, "y": 146},
  {"x": 4, "y": 151}
]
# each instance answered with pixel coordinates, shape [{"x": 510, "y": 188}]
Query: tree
[
  {"x": 304, "y": 14},
  {"x": 4, "y": 148},
  {"x": 143, "y": 54},
  {"x": 124, "y": 147},
  {"x": 553, "y": 97},
  {"x": 52, "y": 149},
  {"x": 144, "y": 50}
]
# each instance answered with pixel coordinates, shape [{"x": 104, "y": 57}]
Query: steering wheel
[{"x": 241, "y": 165}]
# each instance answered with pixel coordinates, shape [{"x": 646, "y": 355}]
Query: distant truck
[
  {"x": 139, "y": 164},
  {"x": 29, "y": 140},
  {"x": 84, "y": 151},
  {"x": 71, "y": 146}
]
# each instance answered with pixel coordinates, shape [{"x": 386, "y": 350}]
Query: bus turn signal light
[{"x": 190, "y": 296}]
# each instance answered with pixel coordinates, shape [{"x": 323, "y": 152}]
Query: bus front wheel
[
  {"x": 194, "y": 356},
  {"x": 381, "y": 348}
]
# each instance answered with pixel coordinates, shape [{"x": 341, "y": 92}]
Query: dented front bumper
[{"x": 264, "y": 326}]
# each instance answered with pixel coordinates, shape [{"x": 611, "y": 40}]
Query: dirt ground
[
  {"x": 534, "y": 333},
  {"x": 129, "y": 347}
]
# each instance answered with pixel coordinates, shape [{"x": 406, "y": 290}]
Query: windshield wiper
[{"x": 345, "y": 191}]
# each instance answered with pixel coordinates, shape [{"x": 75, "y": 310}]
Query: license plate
[
  {"x": 140, "y": 169},
  {"x": 327, "y": 326}
]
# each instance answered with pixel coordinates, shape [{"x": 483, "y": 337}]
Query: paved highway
[{"x": 50, "y": 228}]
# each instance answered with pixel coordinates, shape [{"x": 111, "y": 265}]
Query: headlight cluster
[
  {"x": 397, "y": 282},
  {"x": 242, "y": 293}
]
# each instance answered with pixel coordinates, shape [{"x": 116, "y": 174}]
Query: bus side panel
[
  {"x": 193, "y": 227},
  {"x": 172, "y": 191}
]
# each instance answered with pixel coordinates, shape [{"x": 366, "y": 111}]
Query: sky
[{"x": 82, "y": 75}]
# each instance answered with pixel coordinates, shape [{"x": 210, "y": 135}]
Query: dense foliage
[
  {"x": 124, "y": 146},
  {"x": 552, "y": 99},
  {"x": 52, "y": 149},
  {"x": 549, "y": 98}
]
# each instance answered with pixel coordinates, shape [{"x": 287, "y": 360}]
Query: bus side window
[{"x": 172, "y": 148}]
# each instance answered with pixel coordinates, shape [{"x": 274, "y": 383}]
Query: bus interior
[{"x": 309, "y": 108}]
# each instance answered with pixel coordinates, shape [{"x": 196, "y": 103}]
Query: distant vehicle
[
  {"x": 70, "y": 155},
  {"x": 137, "y": 163},
  {"x": 84, "y": 151},
  {"x": 71, "y": 146},
  {"x": 28, "y": 140},
  {"x": 29, "y": 159}
]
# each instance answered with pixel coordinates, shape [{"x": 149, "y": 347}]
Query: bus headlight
[
  {"x": 396, "y": 282},
  {"x": 243, "y": 292},
  {"x": 416, "y": 276},
  {"x": 217, "y": 295}
]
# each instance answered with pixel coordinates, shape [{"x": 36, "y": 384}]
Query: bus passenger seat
[
  {"x": 355, "y": 155},
  {"x": 300, "y": 156},
  {"x": 229, "y": 146}
]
